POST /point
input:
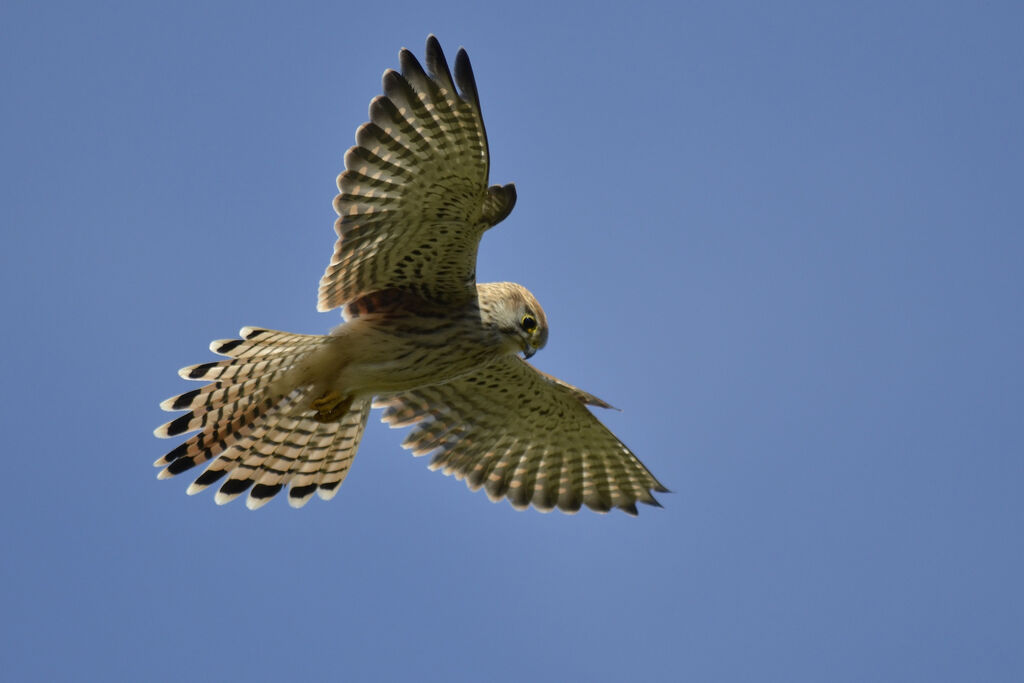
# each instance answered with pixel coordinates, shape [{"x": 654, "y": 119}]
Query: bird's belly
[{"x": 384, "y": 362}]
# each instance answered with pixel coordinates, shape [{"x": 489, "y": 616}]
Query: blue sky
[{"x": 785, "y": 239}]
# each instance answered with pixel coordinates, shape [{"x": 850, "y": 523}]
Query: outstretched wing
[
  {"x": 414, "y": 198},
  {"x": 523, "y": 435}
]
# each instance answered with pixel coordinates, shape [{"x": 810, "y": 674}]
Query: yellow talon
[{"x": 331, "y": 407}]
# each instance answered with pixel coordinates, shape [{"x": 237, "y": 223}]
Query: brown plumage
[{"x": 436, "y": 349}]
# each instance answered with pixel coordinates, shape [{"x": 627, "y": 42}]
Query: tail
[{"x": 256, "y": 429}]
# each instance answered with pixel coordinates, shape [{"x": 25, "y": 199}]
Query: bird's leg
[{"x": 331, "y": 407}]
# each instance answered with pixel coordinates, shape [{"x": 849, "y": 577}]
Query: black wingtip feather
[
  {"x": 570, "y": 505},
  {"x": 432, "y": 43},
  {"x": 437, "y": 64},
  {"x": 382, "y": 111},
  {"x": 392, "y": 82},
  {"x": 464, "y": 76},
  {"x": 411, "y": 67}
]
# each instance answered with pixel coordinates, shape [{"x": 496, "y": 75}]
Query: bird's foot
[{"x": 331, "y": 407}]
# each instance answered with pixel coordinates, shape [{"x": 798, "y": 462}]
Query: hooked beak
[{"x": 529, "y": 351}]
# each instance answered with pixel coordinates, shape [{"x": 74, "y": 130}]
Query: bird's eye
[{"x": 528, "y": 323}]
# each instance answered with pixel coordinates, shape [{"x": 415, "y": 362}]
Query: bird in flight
[{"x": 421, "y": 338}]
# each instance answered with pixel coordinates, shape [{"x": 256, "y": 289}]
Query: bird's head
[{"x": 516, "y": 314}]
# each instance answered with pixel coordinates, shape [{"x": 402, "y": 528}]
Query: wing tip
[
  {"x": 437, "y": 63},
  {"x": 464, "y": 77}
]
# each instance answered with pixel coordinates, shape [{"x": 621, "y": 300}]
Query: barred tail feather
[
  {"x": 259, "y": 432},
  {"x": 324, "y": 460}
]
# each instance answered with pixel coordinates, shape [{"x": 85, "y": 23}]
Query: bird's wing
[
  {"x": 524, "y": 435},
  {"x": 414, "y": 200}
]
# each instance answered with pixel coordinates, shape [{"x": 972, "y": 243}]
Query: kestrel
[{"x": 420, "y": 338}]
